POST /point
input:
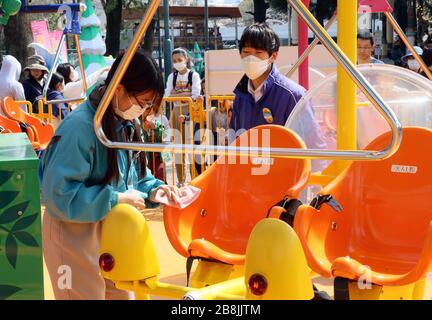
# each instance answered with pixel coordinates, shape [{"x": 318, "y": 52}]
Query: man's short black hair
[
  {"x": 260, "y": 36},
  {"x": 366, "y": 35}
]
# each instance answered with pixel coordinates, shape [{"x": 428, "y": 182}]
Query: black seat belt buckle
[{"x": 318, "y": 201}]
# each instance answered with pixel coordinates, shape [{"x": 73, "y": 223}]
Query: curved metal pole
[
  {"x": 254, "y": 151},
  {"x": 401, "y": 34},
  {"x": 83, "y": 96},
  {"x": 309, "y": 49},
  {"x": 355, "y": 75},
  {"x": 115, "y": 81},
  {"x": 81, "y": 64},
  {"x": 54, "y": 67}
]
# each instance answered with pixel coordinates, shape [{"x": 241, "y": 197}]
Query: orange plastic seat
[
  {"x": 43, "y": 132},
  {"x": 235, "y": 195},
  {"x": 385, "y": 225},
  {"x": 12, "y": 126}
]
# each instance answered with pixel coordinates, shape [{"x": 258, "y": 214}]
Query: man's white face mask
[{"x": 255, "y": 67}]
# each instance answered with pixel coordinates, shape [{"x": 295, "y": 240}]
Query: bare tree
[{"x": 17, "y": 35}]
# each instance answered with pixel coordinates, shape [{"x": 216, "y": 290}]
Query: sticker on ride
[
  {"x": 404, "y": 169},
  {"x": 263, "y": 161}
]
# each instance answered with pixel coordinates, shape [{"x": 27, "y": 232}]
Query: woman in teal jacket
[{"x": 81, "y": 180}]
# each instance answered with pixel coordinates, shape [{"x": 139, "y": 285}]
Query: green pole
[
  {"x": 159, "y": 39},
  {"x": 167, "y": 41},
  {"x": 206, "y": 16}
]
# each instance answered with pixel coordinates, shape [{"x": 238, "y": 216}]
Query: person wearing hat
[
  {"x": 408, "y": 60},
  {"x": 33, "y": 85}
]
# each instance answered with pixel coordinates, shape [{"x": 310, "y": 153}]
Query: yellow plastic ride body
[
  {"x": 274, "y": 252},
  {"x": 126, "y": 237}
]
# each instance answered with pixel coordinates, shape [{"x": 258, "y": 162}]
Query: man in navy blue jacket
[{"x": 264, "y": 95}]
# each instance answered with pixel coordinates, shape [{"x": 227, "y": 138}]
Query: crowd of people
[{"x": 399, "y": 54}]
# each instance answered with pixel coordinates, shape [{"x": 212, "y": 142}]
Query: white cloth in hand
[{"x": 180, "y": 198}]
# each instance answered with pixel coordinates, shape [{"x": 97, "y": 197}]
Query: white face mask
[
  {"x": 255, "y": 67},
  {"x": 74, "y": 76},
  {"x": 180, "y": 66},
  {"x": 134, "y": 112},
  {"x": 413, "y": 65}
]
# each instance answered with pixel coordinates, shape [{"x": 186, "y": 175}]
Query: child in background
[
  {"x": 59, "y": 110},
  {"x": 73, "y": 83},
  {"x": 10, "y": 72},
  {"x": 220, "y": 122},
  {"x": 183, "y": 82}
]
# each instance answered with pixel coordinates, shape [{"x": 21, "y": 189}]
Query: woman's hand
[
  {"x": 132, "y": 198},
  {"x": 172, "y": 193},
  {"x": 175, "y": 197}
]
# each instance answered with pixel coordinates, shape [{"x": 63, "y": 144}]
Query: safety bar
[
  {"x": 348, "y": 66},
  {"x": 309, "y": 49},
  {"x": 384, "y": 8}
]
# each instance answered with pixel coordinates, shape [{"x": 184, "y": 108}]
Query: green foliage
[
  {"x": 6, "y": 291},
  {"x": 279, "y": 5},
  {"x": 322, "y": 10},
  {"x": 16, "y": 216},
  {"x": 425, "y": 8},
  {"x": 110, "y": 5}
]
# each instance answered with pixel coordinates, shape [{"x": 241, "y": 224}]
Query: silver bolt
[
  {"x": 333, "y": 225},
  {"x": 20, "y": 213},
  {"x": 203, "y": 212},
  {"x": 18, "y": 177}
]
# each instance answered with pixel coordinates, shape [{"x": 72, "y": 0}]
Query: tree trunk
[
  {"x": 400, "y": 13},
  {"x": 17, "y": 35},
  {"x": 149, "y": 37},
  {"x": 411, "y": 26},
  {"x": 260, "y": 10},
  {"x": 114, "y": 20}
]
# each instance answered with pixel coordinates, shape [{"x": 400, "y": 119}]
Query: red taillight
[
  {"x": 257, "y": 284},
  {"x": 106, "y": 262}
]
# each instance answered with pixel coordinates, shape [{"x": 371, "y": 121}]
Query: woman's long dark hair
[
  {"x": 65, "y": 70},
  {"x": 143, "y": 74}
]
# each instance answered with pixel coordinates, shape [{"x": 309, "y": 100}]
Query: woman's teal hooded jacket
[{"x": 75, "y": 162}]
